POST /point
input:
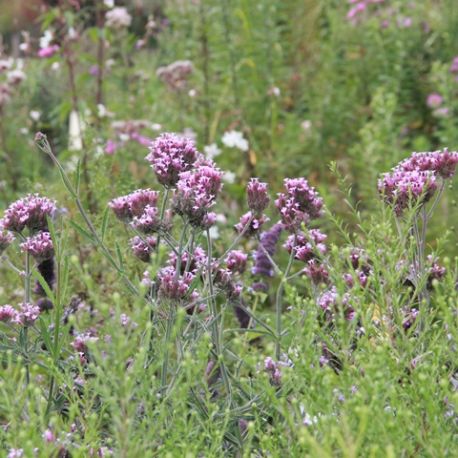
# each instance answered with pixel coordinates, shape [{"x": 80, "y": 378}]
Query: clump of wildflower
[
  {"x": 196, "y": 193},
  {"x": 273, "y": 369},
  {"x": 236, "y": 261},
  {"x": 443, "y": 163},
  {"x": 268, "y": 243},
  {"x": 16, "y": 453},
  {"x": 257, "y": 196},
  {"x": 6, "y": 239},
  {"x": 434, "y": 100},
  {"x": 118, "y": 18},
  {"x": 316, "y": 271},
  {"x": 224, "y": 280},
  {"x": 173, "y": 286},
  {"x": 171, "y": 155},
  {"x": 196, "y": 262},
  {"x": 32, "y": 212},
  {"x": 142, "y": 248},
  {"x": 134, "y": 204},
  {"x": 250, "y": 224},
  {"x": 299, "y": 204},
  {"x": 306, "y": 246},
  {"x": 435, "y": 270},
  {"x": 40, "y": 246},
  {"x": 149, "y": 221},
  {"x": 8, "y": 314},
  {"x": 403, "y": 188},
  {"x": 176, "y": 74},
  {"x": 27, "y": 314},
  {"x": 410, "y": 318},
  {"x": 81, "y": 341}
]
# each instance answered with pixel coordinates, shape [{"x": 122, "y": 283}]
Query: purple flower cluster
[
  {"x": 306, "y": 246},
  {"x": 224, "y": 280},
  {"x": 268, "y": 241},
  {"x": 414, "y": 180},
  {"x": 273, "y": 369},
  {"x": 142, "y": 248},
  {"x": 171, "y": 155},
  {"x": 173, "y": 286},
  {"x": 40, "y": 246},
  {"x": 250, "y": 224},
  {"x": 25, "y": 316},
  {"x": 133, "y": 205},
  {"x": 454, "y": 67},
  {"x": 330, "y": 301},
  {"x": 32, "y": 212},
  {"x": 6, "y": 238},
  {"x": 236, "y": 261},
  {"x": 442, "y": 163},
  {"x": 196, "y": 193},
  {"x": 299, "y": 204},
  {"x": 257, "y": 196}
]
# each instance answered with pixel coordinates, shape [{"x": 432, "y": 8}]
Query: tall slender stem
[
  {"x": 215, "y": 321},
  {"x": 279, "y": 301}
]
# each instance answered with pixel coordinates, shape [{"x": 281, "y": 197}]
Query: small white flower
[
  {"x": 214, "y": 232},
  {"x": 124, "y": 137},
  {"x": 211, "y": 151},
  {"x": 35, "y": 115},
  {"x": 235, "y": 139},
  {"x": 72, "y": 33},
  {"x": 109, "y": 3},
  {"x": 155, "y": 126},
  {"x": 101, "y": 110},
  {"x": 46, "y": 39},
  {"x": 229, "y": 177},
  {"x": 24, "y": 130},
  {"x": 306, "y": 125},
  {"x": 55, "y": 66},
  {"x": 118, "y": 18},
  {"x": 192, "y": 93}
]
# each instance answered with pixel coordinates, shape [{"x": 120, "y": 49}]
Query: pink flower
[
  {"x": 171, "y": 155},
  {"x": 434, "y": 100},
  {"x": 48, "y": 51},
  {"x": 40, "y": 246},
  {"x": 257, "y": 196}
]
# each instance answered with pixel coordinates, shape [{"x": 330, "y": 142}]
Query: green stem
[
  {"x": 215, "y": 328},
  {"x": 279, "y": 301}
]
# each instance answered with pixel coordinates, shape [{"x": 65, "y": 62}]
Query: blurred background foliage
[{"x": 305, "y": 84}]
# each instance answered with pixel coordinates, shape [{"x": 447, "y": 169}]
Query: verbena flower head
[
  {"x": 40, "y": 246},
  {"x": 404, "y": 189},
  {"x": 196, "y": 193},
  {"x": 274, "y": 371},
  {"x": 306, "y": 246},
  {"x": 8, "y": 314},
  {"x": 316, "y": 271},
  {"x": 149, "y": 221},
  {"x": 268, "y": 240},
  {"x": 32, "y": 212},
  {"x": 171, "y": 155},
  {"x": 443, "y": 163},
  {"x": 6, "y": 239},
  {"x": 257, "y": 196},
  {"x": 134, "y": 204},
  {"x": 173, "y": 286},
  {"x": 142, "y": 248},
  {"x": 299, "y": 204},
  {"x": 250, "y": 224},
  {"x": 28, "y": 314},
  {"x": 236, "y": 261},
  {"x": 197, "y": 261}
]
